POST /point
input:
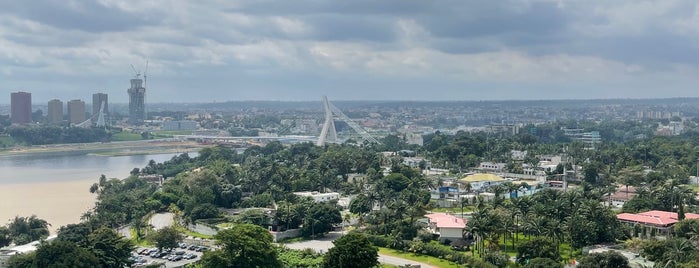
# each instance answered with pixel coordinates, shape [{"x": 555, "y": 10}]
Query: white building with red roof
[
  {"x": 660, "y": 221},
  {"x": 445, "y": 225}
]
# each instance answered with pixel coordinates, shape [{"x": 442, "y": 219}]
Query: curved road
[
  {"x": 162, "y": 220},
  {"x": 323, "y": 244}
]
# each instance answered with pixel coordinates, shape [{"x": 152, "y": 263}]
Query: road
[
  {"x": 162, "y": 220},
  {"x": 125, "y": 231},
  {"x": 323, "y": 244}
]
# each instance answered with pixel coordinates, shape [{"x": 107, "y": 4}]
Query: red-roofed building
[
  {"x": 622, "y": 195},
  {"x": 660, "y": 221},
  {"x": 445, "y": 225}
]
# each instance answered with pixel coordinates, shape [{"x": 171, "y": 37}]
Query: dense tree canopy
[
  {"x": 244, "y": 245},
  {"x": 167, "y": 238},
  {"x": 350, "y": 251},
  {"x": 23, "y": 230},
  {"x": 608, "y": 259}
]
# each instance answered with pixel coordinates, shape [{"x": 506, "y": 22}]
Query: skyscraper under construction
[{"x": 137, "y": 101}]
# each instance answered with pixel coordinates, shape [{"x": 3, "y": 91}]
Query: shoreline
[{"x": 124, "y": 148}]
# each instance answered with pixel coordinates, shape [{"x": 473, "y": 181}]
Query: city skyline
[{"x": 361, "y": 50}]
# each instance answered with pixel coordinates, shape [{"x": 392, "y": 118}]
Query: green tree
[
  {"x": 112, "y": 249},
  {"x": 22, "y": 260},
  {"x": 498, "y": 259},
  {"x": 687, "y": 228},
  {"x": 76, "y": 233},
  {"x": 167, "y": 238},
  {"x": 360, "y": 204},
  {"x": 27, "y": 229},
  {"x": 5, "y": 236},
  {"x": 609, "y": 259},
  {"x": 61, "y": 254},
  {"x": 299, "y": 258},
  {"x": 542, "y": 263},
  {"x": 320, "y": 219},
  {"x": 216, "y": 259},
  {"x": 246, "y": 245},
  {"x": 539, "y": 247},
  {"x": 350, "y": 251}
]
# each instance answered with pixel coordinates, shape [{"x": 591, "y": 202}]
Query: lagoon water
[{"x": 55, "y": 186}]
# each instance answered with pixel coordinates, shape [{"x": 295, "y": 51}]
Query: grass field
[
  {"x": 436, "y": 262},
  {"x": 126, "y": 136},
  {"x": 452, "y": 210},
  {"x": 139, "y": 243}
]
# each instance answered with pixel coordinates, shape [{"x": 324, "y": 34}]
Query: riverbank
[{"x": 122, "y": 148}]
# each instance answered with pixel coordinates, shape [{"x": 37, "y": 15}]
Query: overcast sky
[{"x": 205, "y": 51}]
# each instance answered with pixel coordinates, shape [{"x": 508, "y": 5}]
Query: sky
[{"x": 229, "y": 50}]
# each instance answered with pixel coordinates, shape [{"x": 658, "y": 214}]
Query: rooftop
[
  {"x": 444, "y": 220},
  {"x": 655, "y": 217},
  {"x": 482, "y": 177}
]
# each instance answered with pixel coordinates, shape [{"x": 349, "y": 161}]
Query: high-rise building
[
  {"x": 99, "y": 99},
  {"x": 21, "y": 107},
  {"x": 137, "y": 98},
  {"x": 76, "y": 111},
  {"x": 55, "y": 115}
]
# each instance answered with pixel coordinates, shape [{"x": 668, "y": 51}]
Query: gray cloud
[
  {"x": 89, "y": 16},
  {"x": 363, "y": 49}
]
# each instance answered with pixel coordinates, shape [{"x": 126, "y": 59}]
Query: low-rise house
[
  {"x": 653, "y": 222},
  {"x": 320, "y": 197},
  {"x": 156, "y": 179},
  {"x": 446, "y": 226},
  {"x": 416, "y": 162},
  {"x": 621, "y": 195},
  {"x": 491, "y": 167},
  {"x": 482, "y": 180}
]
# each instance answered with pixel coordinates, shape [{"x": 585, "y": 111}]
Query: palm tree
[
  {"x": 467, "y": 187},
  {"x": 678, "y": 250},
  {"x": 498, "y": 190},
  {"x": 632, "y": 175},
  {"x": 523, "y": 208},
  {"x": 481, "y": 225},
  {"x": 536, "y": 225}
]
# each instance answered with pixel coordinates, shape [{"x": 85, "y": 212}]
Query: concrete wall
[
  {"x": 451, "y": 233},
  {"x": 286, "y": 234},
  {"x": 202, "y": 229}
]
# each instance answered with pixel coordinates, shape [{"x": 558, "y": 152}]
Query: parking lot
[{"x": 177, "y": 257}]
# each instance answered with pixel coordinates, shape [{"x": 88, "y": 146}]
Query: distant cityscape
[
  {"x": 21, "y": 109},
  {"x": 412, "y": 120}
]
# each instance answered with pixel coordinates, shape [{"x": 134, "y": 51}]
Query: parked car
[
  {"x": 177, "y": 258},
  {"x": 190, "y": 256}
]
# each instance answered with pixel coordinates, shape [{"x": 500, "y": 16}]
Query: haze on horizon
[{"x": 351, "y": 50}]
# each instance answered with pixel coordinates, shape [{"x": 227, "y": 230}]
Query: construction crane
[
  {"x": 145, "y": 93},
  {"x": 136, "y": 73}
]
